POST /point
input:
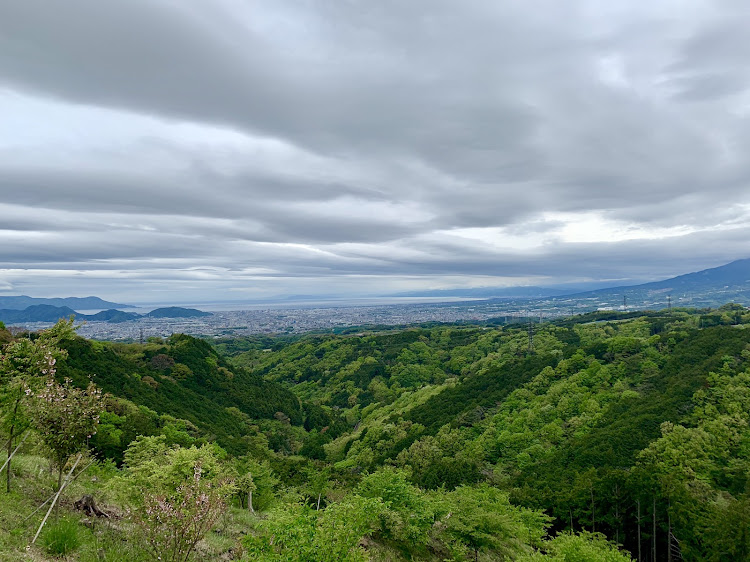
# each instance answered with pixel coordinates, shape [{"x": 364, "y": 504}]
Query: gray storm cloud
[{"x": 265, "y": 146}]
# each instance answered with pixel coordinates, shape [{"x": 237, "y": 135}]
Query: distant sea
[{"x": 293, "y": 304}]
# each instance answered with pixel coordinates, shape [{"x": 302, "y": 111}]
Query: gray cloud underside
[{"x": 360, "y": 138}]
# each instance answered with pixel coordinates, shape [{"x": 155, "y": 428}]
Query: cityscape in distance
[{"x": 702, "y": 289}]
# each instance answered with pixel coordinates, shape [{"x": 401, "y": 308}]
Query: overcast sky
[{"x": 188, "y": 151}]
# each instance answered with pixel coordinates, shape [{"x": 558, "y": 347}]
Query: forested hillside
[
  {"x": 184, "y": 377},
  {"x": 609, "y": 420},
  {"x": 430, "y": 443}
]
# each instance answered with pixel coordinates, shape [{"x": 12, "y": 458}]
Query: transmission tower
[{"x": 531, "y": 336}]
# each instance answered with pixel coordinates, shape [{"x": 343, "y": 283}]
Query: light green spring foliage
[
  {"x": 460, "y": 524},
  {"x": 422, "y": 443},
  {"x": 583, "y": 547},
  {"x": 385, "y": 432},
  {"x": 66, "y": 418},
  {"x": 559, "y": 429},
  {"x": 317, "y": 481},
  {"x": 299, "y": 533},
  {"x": 177, "y": 494},
  {"x": 408, "y": 515},
  {"x": 256, "y": 477},
  {"x": 386, "y": 509},
  {"x": 25, "y": 364},
  {"x": 556, "y": 405},
  {"x": 689, "y": 463},
  {"x": 481, "y": 518},
  {"x": 381, "y": 436},
  {"x": 153, "y": 466}
]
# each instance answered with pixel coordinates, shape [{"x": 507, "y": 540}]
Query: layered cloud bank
[{"x": 246, "y": 149}]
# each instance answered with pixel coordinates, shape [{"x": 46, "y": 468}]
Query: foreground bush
[
  {"x": 176, "y": 494},
  {"x": 583, "y": 547},
  {"x": 299, "y": 533}
]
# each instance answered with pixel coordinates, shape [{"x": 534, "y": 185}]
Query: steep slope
[
  {"x": 183, "y": 377},
  {"x": 611, "y": 420}
]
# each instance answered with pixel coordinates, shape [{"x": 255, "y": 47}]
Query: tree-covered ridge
[
  {"x": 597, "y": 424},
  {"x": 183, "y": 377},
  {"x": 263, "y": 505}
]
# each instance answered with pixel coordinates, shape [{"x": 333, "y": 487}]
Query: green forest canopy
[{"x": 631, "y": 427}]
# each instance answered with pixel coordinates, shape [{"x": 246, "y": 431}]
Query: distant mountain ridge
[
  {"x": 518, "y": 292},
  {"x": 705, "y": 288},
  {"x": 49, "y": 313},
  {"x": 489, "y": 292},
  {"x": 708, "y": 287},
  {"x": 22, "y": 302},
  {"x": 736, "y": 273}
]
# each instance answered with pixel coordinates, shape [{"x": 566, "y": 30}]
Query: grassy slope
[{"x": 110, "y": 540}]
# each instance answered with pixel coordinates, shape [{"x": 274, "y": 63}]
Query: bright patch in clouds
[{"x": 597, "y": 228}]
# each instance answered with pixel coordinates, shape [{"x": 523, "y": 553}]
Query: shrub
[
  {"x": 176, "y": 494},
  {"x": 174, "y": 523},
  {"x": 66, "y": 418}
]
